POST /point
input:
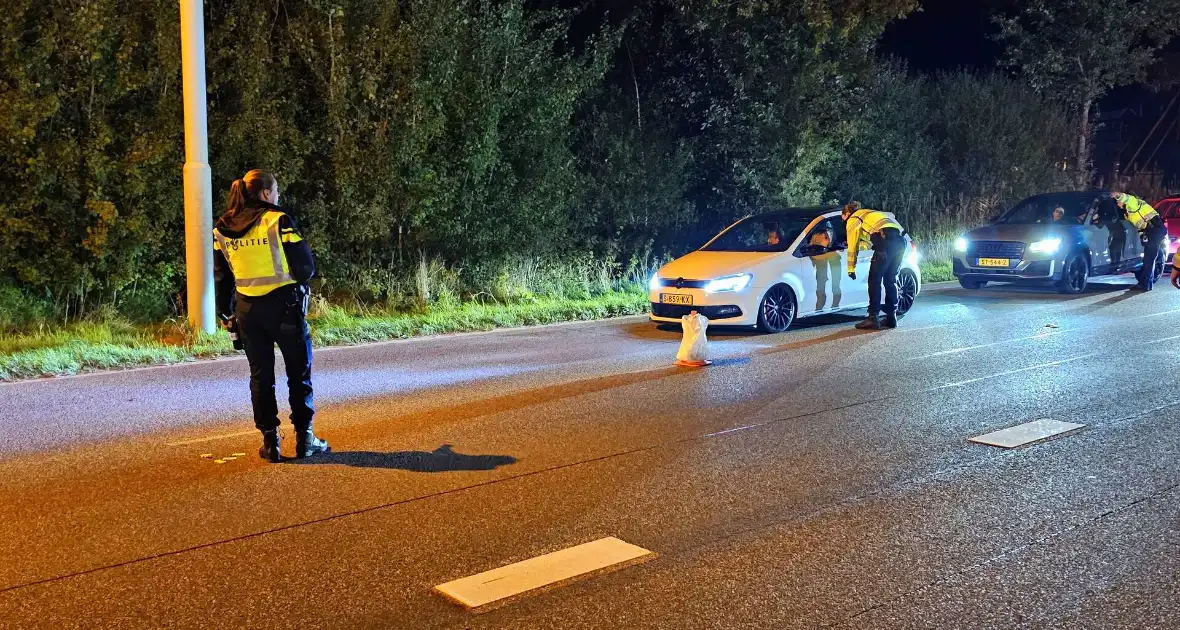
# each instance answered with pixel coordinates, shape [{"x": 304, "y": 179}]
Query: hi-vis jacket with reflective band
[
  {"x": 1139, "y": 212},
  {"x": 256, "y": 258},
  {"x": 260, "y": 244},
  {"x": 860, "y": 226}
]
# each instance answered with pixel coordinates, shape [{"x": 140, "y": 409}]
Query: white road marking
[
  {"x": 1017, "y": 371},
  {"x": 1026, "y": 433},
  {"x": 1040, "y": 335},
  {"x": 211, "y": 438},
  {"x": 522, "y": 577},
  {"x": 733, "y": 430}
]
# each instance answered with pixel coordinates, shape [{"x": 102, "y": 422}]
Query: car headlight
[
  {"x": 1047, "y": 246},
  {"x": 729, "y": 283},
  {"x": 654, "y": 283},
  {"x": 960, "y": 244}
]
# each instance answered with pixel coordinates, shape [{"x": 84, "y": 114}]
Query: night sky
[{"x": 946, "y": 35}]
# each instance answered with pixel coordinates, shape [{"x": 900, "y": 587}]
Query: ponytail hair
[{"x": 248, "y": 189}]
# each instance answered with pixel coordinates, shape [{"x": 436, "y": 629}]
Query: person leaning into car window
[
  {"x": 880, "y": 231},
  {"x": 1151, "y": 231}
]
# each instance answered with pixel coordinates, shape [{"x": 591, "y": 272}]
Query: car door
[
  {"x": 1097, "y": 236},
  {"x": 854, "y": 293},
  {"x": 1134, "y": 249},
  {"x": 1121, "y": 253}
]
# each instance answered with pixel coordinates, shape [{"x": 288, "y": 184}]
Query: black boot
[
  {"x": 890, "y": 321},
  {"x": 872, "y": 322},
  {"x": 270, "y": 447},
  {"x": 307, "y": 444}
]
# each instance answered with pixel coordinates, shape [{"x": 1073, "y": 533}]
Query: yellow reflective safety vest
[
  {"x": 1139, "y": 212},
  {"x": 257, "y": 259},
  {"x": 861, "y": 226}
]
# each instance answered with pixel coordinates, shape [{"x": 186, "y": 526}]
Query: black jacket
[{"x": 236, "y": 225}]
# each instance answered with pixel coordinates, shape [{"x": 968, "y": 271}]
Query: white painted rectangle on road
[
  {"x": 1026, "y": 433},
  {"x": 550, "y": 569}
]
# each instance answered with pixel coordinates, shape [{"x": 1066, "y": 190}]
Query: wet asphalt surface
[{"x": 817, "y": 478}]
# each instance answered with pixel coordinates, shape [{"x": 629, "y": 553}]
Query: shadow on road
[
  {"x": 1110, "y": 301},
  {"x": 441, "y": 459}
]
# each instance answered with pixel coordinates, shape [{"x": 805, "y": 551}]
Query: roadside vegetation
[{"x": 516, "y": 166}]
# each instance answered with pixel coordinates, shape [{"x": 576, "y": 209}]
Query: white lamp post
[{"x": 198, "y": 186}]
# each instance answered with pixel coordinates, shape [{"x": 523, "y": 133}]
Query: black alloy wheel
[
  {"x": 777, "y": 311},
  {"x": 907, "y": 291},
  {"x": 1075, "y": 274}
]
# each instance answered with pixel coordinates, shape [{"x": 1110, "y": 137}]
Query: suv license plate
[
  {"x": 676, "y": 298},
  {"x": 993, "y": 262}
]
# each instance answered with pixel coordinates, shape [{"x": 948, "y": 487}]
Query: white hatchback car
[{"x": 768, "y": 269}]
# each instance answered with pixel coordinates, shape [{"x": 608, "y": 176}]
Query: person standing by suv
[
  {"x": 1151, "y": 231},
  {"x": 879, "y": 230}
]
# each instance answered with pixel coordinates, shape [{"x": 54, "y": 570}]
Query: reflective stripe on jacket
[
  {"x": 860, "y": 226},
  {"x": 1138, "y": 211},
  {"x": 257, "y": 259}
]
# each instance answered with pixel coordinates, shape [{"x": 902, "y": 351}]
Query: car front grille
[
  {"x": 995, "y": 249},
  {"x": 683, "y": 284},
  {"x": 676, "y": 311}
]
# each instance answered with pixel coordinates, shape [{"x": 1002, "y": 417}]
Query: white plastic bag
[{"x": 694, "y": 345}]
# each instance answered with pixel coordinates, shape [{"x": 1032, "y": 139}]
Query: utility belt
[
  {"x": 290, "y": 300},
  {"x": 886, "y": 235},
  {"x": 1154, "y": 223}
]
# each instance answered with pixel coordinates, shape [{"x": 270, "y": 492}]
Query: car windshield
[
  {"x": 763, "y": 233},
  {"x": 1049, "y": 209}
]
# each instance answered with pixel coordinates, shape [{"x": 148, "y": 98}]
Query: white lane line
[
  {"x": 1017, "y": 371},
  {"x": 212, "y": 438},
  {"x": 563, "y": 566},
  {"x": 1026, "y": 433},
  {"x": 1039, "y": 335},
  {"x": 733, "y": 430}
]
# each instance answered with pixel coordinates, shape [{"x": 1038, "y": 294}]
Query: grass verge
[
  {"x": 936, "y": 271},
  {"x": 61, "y": 351}
]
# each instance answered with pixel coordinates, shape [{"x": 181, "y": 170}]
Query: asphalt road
[{"x": 818, "y": 478}]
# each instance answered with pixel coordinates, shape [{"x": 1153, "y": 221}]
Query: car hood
[
  {"x": 1026, "y": 233},
  {"x": 701, "y": 265}
]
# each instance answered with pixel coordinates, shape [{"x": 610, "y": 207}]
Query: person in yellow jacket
[
  {"x": 261, "y": 266},
  {"x": 1151, "y": 231},
  {"x": 880, "y": 231}
]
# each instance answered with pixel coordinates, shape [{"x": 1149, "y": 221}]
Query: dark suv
[{"x": 1058, "y": 238}]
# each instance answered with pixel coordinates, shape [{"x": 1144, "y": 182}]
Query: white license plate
[{"x": 675, "y": 298}]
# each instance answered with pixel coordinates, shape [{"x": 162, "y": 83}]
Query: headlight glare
[
  {"x": 729, "y": 283},
  {"x": 654, "y": 283},
  {"x": 960, "y": 244},
  {"x": 1047, "y": 246}
]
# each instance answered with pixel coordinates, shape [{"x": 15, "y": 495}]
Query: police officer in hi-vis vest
[
  {"x": 1151, "y": 231},
  {"x": 867, "y": 228},
  {"x": 261, "y": 267}
]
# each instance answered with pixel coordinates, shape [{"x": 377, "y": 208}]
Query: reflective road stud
[
  {"x": 1026, "y": 433},
  {"x": 500, "y": 585}
]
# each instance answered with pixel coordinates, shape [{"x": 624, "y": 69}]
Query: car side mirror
[{"x": 812, "y": 250}]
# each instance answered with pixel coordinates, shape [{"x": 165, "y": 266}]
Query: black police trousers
[
  {"x": 277, "y": 318},
  {"x": 1155, "y": 233},
  {"x": 888, "y": 252}
]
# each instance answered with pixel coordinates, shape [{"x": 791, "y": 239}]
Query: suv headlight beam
[{"x": 1047, "y": 246}]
